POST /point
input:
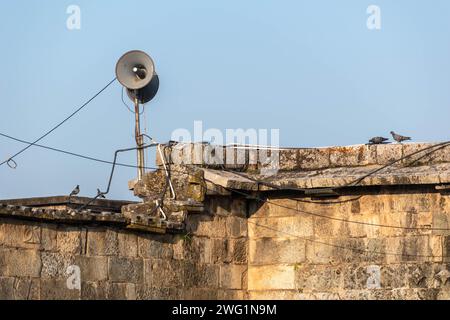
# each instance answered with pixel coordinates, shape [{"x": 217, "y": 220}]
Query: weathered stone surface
[
  {"x": 69, "y": 240},
  {"x": 121, "y": 291},
  {"x": 295, "y": 226},
  {"x": 27, "y": 289},
  {"x": 20, "y": 263},
  {"x": 92, "y": 268},
  {"x": 144, "y": 292},
  {"x": 128, "y": 244},
  {"x": 271, "y": 277},
  {"x": 156, "y": 247},
  {"x": 102, "y": 242},
  {"x": 289, "y": 159},
  {"x": 52, "y": 289},
  {"x": 268, "y": 250},
  {"x": 348, "y": 156},
  {"x": 125, "y": 269},
  {"x": 318, "y": 278},
  {"x": 309, "y": 159},
  {"x": 55, "y": 264},
  {"x": 236, "y": 227},
  {"x": 17, "y": 235},
  {"x": 206, "y": 225},
  {"x": 200, "y": 275},
  {"x": 163, "y": 273},
  {"x": 6, "y": 288},
  {"x": 94, "y": 290},
  {"x": 49, "y": 238},
  {"x": 233, "y": 276}
]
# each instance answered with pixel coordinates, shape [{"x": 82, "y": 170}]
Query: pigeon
[
  {"x": 75, "y": 191},
  {"x": 399, "y": 138},
  {"x": 100, "y": 194},
  {"x": 378, "y": 140}
]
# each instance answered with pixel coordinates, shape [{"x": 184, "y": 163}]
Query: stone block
[
  {"x": 68, "y": 240},
  {"x": 20, "y": 235},
  {"x": 393, "y": 276},
  {"x": 289, "y": 160},
  {"x": 267, "y": 295},
  {"x": 128, "y": 244},
  {"x": 92, "y": 268},
  {"x": 220, "y": 252},
  {"x": 198, "y": 249},
  {"x": 206, "y": 225},
  {"x": 387, "y": 153},
  {"x": 313, "y": 159},
  {"x": 20, "y": 263},
  {"x": 52, "y": 289},
  {"x": 154, "y": 246},
  {"x": 144, "y": 292},
  {"x": 277, "y": 227},
  {"x": 94, "y": 290},
  {"x": 121, "y": 291},
  {"x": 239, "y": 251},
  {"x": 163, "y": 273},
  {"x": 318, "y": 278},
  {"x": 236, "y": 227},
  {"x": 27, "y": 289},
  {"x": 355, "y": 276},
  {"x": 278, "y": 208},
  {"x": 348, "y": 156},
  {"x": 319, "y": 253},
  {"x": 200, "y": 275},
  {"x": 238, "y": 295},
  {"x": 102, "y": 242},
  {"x": 277, "y": 251},
  {"x": 199, "y": 294},
  {"x": 125, "y": 269},
  {"x": 55, "y": 264},
  {"x": 419, "y": 275},
  {"x": 271, "y": 277},
  {"x": 420, "y": 158},
  {"x": 415, "y": 248},
  {"x": 232, "y": 276},
  {"x": 6, "y": 288},
  {"x": 49, "y": 238}
]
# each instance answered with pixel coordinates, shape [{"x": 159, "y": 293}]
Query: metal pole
[{"x": 139, "y": 140}]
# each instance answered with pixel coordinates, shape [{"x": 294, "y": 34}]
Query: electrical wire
[
  {"x": 360, "y": 251},
  {"x": 249, "y": 196},
  {"x": 359, "y": 180},
  {"x": 355, "y": 182},
  {"x": 128, "y": 107},
  {"x": 328, "y": 217},
  {"x": 59, "y": 124}
]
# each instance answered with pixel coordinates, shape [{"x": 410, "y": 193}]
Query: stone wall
[
  {"x": 208, "y": 261},
  {"x": 302, "y": 256},
  {"x": 216, "y": 244}
]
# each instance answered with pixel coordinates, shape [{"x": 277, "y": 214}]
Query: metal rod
[{"x": 139, "y": 139}]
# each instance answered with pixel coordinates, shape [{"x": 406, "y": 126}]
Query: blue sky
[{"x": 309, "y": 68}]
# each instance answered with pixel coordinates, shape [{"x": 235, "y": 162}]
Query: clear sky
[{"x": 309, "y": 68}]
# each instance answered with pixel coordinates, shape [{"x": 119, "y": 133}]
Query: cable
[
  {"x": 128, "y": 107},
  {"x": 359, "y": 180},
  {"x": 116, "y": 153},
  {"x": 361, "y": 251},
  {"x": 245, "y": 194},
  {"x": 355, "y": 182},
  {"x": 330, "y": 218},
  {"x": 59, "y": 124}
]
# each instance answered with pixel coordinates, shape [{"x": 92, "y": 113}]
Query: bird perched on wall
[
  {"x": 75, "y": 191},
  {"x": 399, "y": 138},
  {"x": 378, "y": 140},
  {"x": 100, "y": 194}
]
